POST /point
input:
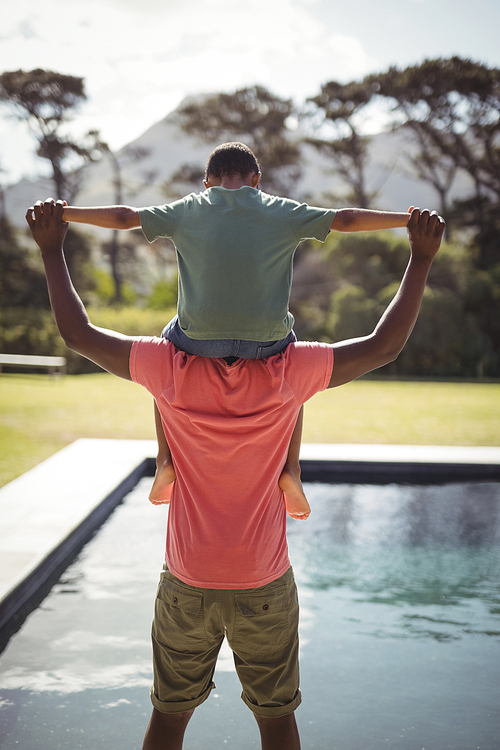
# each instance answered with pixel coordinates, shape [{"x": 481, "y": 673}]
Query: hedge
[{"x": 33, "y": 331}]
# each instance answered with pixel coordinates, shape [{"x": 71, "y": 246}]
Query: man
[
  {"x": 227, "y": 571},
  {"x": 234, "y": 246}
]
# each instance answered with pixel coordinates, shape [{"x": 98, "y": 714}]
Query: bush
[
  {"x": 32, "y": 331},
  {"x": 164, "y": 295}
]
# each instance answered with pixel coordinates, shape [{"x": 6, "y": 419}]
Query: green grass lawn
[{"x": 39, "y": 414}]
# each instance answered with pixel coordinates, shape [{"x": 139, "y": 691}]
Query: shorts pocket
[
  {"x": 261, "y": 621},
  {"x": 178, "y": 619}
]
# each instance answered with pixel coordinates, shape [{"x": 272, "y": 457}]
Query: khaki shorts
[{"x": 261, "y": 626}]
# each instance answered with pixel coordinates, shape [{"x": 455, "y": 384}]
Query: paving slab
[{"x": 384, "y": 464}]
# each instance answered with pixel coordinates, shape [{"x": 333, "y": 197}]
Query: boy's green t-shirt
[{"x": 235, "y": 251}]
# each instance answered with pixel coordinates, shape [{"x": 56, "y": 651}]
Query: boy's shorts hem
[
  {"x": 273, "y": 712},
  {"x": 171, "y": 707},
  {"x": 218, "y": 348}
]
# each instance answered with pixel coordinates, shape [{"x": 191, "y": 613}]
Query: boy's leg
[
  {"x": 280, "y": 733},
  {"x": 289, "y": 481},
  {"x": 165, "y": 472},
  {"x": 166, "y": 731}
]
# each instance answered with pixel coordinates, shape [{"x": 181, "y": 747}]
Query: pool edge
[{"x": 53, "y": 509}]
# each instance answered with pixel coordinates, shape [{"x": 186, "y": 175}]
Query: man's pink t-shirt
[{"x": 228, "y": 428}]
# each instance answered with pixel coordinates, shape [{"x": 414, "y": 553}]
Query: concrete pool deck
[{"x": 49, "y": 512}]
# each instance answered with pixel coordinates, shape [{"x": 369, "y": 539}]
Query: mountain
[{"x": 167, "y": 148}]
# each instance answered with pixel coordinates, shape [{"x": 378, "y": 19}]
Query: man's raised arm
[
  {"x": 356, "y": 357},
  {"x": 108, "y": 349}
]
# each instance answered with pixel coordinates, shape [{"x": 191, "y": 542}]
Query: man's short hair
[{"x": 229, "y": 159}]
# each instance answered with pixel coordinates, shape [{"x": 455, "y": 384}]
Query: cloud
[{"x": 140, "y": 60}]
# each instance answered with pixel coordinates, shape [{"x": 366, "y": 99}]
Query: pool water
[{"x": 400, "y": 630}]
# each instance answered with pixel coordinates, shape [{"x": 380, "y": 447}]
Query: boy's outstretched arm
[
  {"x": 108, "y": 217},
  {"x": 108, "y": 349},
  {"x": 356, "y": 357},
  {"x": 367, "y": 220}
]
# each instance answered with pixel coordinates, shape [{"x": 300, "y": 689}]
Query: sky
[{"x": 140, "y": 58}]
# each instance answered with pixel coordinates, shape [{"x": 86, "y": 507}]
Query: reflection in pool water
[{"x": 400, "y": 630}]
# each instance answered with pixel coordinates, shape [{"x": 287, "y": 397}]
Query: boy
[{"x": 235, "y": 248}]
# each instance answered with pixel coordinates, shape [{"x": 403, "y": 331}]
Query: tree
[
  {"x": 430, "y": 165},
  {"x": 339, "y": 107},
  {"x": 255, "y": 116},
  {"x": 22, "y": 280},
  {"x": 453, "y": 105},
  {"x": 116, "y": 251},
  {"x": 46, "y": 101},
  {"x": 458, "y": 331},
  {"x": 187, "y": 178}
]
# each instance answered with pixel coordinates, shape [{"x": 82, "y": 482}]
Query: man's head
[{"x": 232, "y": 160}]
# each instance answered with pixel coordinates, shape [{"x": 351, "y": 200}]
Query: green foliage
[
  {"x": 446, "y": 341},
  {"x": 453, "y": 107},
  {"x": 33, "y": 331},
  {"x": 29, "y": 331},
  {"x": 78, "y": 254},
  {"x": 351, "y": 311},
  {"x": 258, "y": 117},
  {"x": 339, "y": 107},
  {"x": 22, "y": 280},
  {"x": 105, "y": 290},
  {"x": 187, "y": 179},
  {"x": 41, "y": 94},
  {"x": 163, "y": 296},
  {"x": 367, "y": 260},
  {"x": 46, "y": 100},
  {"x": 132, "y": 321},
  {"x": 458, "y": 329}
]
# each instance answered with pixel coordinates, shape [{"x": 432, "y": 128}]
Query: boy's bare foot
[
  {"x": 162, "y": 485},
  {"x": 295, "y": 499}
]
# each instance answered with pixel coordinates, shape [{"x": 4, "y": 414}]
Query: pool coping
[{"x": 49, "y": 512}]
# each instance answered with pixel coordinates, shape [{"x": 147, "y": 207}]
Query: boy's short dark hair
[{"x": 230, "y": 159}]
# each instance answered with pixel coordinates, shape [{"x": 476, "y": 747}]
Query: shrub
[{"x": 32, "y": 331}]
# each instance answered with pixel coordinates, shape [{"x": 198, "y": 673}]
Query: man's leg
[
  {"x": 166, "y": 731},
  {"x": 280, "y": 733},
  {"x": 165, "y": 472},
  {"x": 289, "y": 481}
]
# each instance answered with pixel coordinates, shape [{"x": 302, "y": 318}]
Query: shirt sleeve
[
  {"x": 161, "y": 221},
  {"x": 151, "y": 363},
  {"x": 310, "y": 222},
  {"x": 309, "y": 368}
]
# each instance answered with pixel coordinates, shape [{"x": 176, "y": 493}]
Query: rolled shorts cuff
[
  {"x": 273, "y": 712},
  {"x": 178, "y": 707}
]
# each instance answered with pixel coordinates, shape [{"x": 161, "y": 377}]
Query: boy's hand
[
  {"x": 425, "y": 230},
  {"x": 46, "y": 224}
]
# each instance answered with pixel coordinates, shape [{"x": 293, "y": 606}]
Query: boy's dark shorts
[{"x": 261, "y": 626}]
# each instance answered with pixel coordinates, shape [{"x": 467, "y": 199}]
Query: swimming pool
[{"x": 400, "y": 630}]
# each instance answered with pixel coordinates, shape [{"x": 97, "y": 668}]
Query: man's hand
[
  {"x": 425, "y": 231},
  {"x": 46, "y": 224}
]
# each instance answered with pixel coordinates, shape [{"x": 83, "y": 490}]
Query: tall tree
[
  {"x": 336, "y": 116},
  {"x": 114, "y": 249},
  {"x": 257, "y": 117},
  {"x": 46, "y": 101},
  {"x": 453, "y": 105}
]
